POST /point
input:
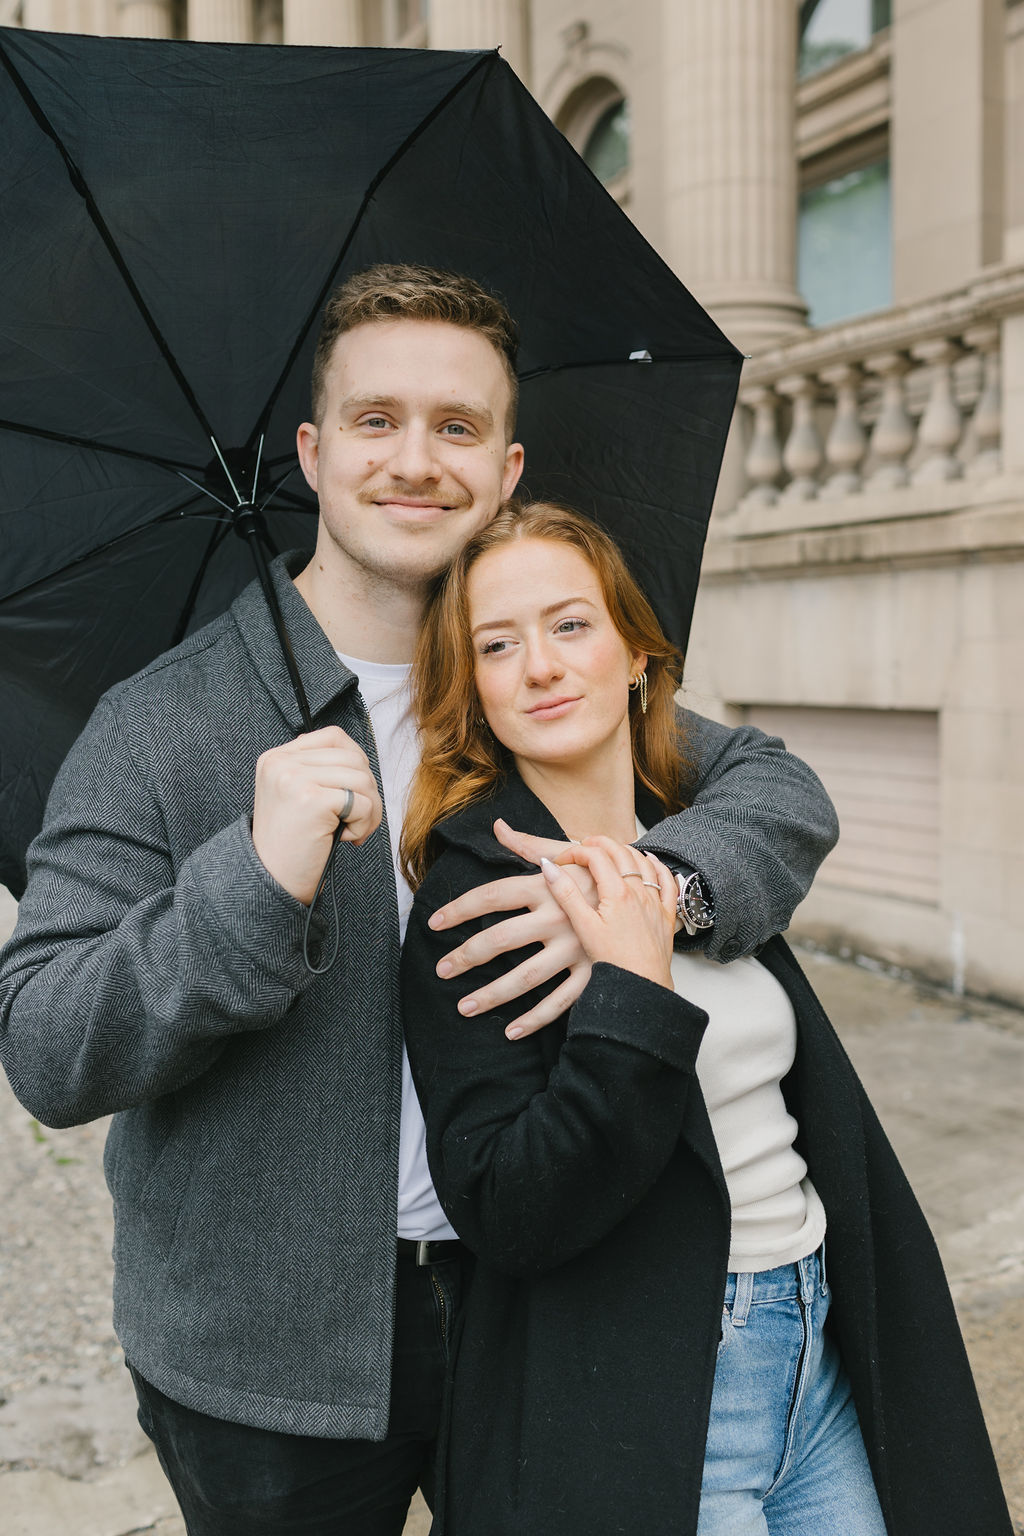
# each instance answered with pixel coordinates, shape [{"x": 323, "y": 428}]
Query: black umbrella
[{"x": 174, "y": 216}]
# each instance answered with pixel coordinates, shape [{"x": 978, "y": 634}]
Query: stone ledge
[
  {"x": 788, "y": 514},
  {"x": 927, "y": 538},
  {"x": 997, "y": 293}
]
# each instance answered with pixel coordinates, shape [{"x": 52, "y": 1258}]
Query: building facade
[{"x": 841, "y": 182}]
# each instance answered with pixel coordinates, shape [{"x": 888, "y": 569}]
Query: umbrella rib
[
  {"x": 80, "y": 185},
  {"x": 173, "y": 514},
  {"x": 487, "y": 60},
  {"x": 84, "y": 442},
  {"x": 216, "y": 539}
]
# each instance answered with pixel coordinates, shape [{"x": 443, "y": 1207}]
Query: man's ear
[
  {"x": 515, "y": 457},
  {"x": 307, "y": 443}
]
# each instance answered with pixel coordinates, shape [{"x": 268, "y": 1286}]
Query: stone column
[
  {"x": 948, "y": 62},
  {"x": 52, "y": 16},
  {"x": 730, "y": 162},
  {"x": 145, "y": 18},
  {"x": 483, "y": 24},
  {"x": 334, "y": 22},
  {"x": 220, "y": 21}
]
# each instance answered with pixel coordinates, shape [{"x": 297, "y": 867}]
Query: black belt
[{"x": 428, "y": 1250}]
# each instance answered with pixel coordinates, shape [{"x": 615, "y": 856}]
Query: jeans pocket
[{"x": 725, "y": 1331}]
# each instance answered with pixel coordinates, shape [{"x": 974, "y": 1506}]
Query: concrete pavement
[{"x": 946, "y": 1077}]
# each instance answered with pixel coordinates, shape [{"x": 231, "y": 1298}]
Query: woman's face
[{"x": 552, "y": 671}]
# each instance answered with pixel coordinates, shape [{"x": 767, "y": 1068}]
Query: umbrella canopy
[{"x": 175, "y": 215}]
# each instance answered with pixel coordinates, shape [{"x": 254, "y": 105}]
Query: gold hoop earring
[{"x": 640, "y": 681}]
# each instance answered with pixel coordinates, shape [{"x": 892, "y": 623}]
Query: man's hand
[
  {"x": 543, "y": 922},
  {"x": 301, "y": 792}
]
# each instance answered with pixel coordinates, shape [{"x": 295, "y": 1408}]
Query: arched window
[
  {"x": 595, "y": 120},
  {"x": 830, "y": 29},
  {"x": 607, "y": 148}
]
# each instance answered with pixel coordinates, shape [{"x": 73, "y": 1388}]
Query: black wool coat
[{"x": 580, "y": 1167}]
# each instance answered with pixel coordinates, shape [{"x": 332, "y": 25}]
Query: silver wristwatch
[{"x": 693, "y": 905}]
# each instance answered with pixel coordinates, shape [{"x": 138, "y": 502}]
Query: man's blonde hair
[{"x": 399, "y": 291}]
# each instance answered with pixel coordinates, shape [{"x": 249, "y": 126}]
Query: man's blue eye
[{"x": 455, "y": 427}]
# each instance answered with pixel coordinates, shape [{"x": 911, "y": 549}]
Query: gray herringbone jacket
[{"x": 156, "y": 972}]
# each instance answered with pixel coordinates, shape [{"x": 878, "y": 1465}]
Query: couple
[{"x": 289, "y": 1351}]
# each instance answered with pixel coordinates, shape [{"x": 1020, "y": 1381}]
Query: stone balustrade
[{"x": 906, "y": 399}]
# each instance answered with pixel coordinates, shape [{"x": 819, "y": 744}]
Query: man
[{"x": 265, "y": 1128}]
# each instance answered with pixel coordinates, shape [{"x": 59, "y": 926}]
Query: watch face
[{"x": 698, "y": 908}]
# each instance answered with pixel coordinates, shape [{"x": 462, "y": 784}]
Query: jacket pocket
[{"x": 163, "y": 1194}]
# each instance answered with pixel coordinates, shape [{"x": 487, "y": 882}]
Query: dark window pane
[
  {"x": 830, "y": 29},
  {"x": 607, "y": 149},
  {"x": 844, "y": 261}
]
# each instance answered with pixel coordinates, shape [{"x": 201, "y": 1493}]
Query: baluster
[
  {"x": 802, "y": 453},
  {"x": 987, "y": 418},
  {"x": 893, "y": 435},
  {"x": 941, "y": 424},
  {"x": 764, "y": 456},
  {"x": 846, "y": 441}
]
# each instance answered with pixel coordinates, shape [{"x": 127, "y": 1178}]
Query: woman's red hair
[{"x": 460, "y": 759}]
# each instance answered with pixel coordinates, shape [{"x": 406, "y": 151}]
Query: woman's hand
[{"x": 635, "y": 919}]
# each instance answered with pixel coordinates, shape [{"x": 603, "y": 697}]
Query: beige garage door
[{"x": 881, "y": 768}]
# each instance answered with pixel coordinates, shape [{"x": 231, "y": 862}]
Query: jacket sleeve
[
  {"x": 536, "y": 1156},
  {"x": 758, "y": 826},
  {"x": 124, "y": 978}
]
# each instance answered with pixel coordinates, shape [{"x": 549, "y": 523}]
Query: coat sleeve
[
  {"x": 757, "y": 828},
  {"x": 124, "y": 977},
  {"x": 538, "y": 1150}
]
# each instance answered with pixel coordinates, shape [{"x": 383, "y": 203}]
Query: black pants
[{"x": 231, "y": 1480}]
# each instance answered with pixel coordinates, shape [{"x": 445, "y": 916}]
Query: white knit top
[{"x": 748, "y": 1047}]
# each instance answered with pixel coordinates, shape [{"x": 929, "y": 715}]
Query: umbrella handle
[
  {"x": 317, "y": 968},
  {"x": 244, "y": 517},
  {"x": 245, "y": 526}
]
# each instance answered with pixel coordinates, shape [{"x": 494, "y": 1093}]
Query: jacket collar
[
  {"x": 472, "y": 828},
  {"x": 323, "y": 676}
]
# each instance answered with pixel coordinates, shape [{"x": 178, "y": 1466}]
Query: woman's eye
[
  {"x": 493, "y": 647},
  {"x": 569, "y": 626}
]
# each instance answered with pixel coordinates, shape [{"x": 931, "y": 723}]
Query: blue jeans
[{"x": 785, "y": 1456}]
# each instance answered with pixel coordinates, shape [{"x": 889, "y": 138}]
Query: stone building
[{"x": 841, "y": 182}]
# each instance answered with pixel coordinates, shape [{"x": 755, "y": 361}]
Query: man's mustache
[{"x": 458, "y": 498}]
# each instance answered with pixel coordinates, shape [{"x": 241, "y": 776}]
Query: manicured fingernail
[
  {"x": 549, "y": 870},
  {"x": 436, "y": 920},
  {"x": 513, "y": 1032},
  {"x": 444, "y": 967},
  {"x": 467, "y": 1005}
]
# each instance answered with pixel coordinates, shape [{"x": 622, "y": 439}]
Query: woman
[{"x": 647, "y": 1184}]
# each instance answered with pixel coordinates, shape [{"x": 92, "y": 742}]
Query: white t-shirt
[{"x": 384, "y": 687}]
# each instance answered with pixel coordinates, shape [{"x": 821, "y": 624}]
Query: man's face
[{"x": 410, "y": 459}]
